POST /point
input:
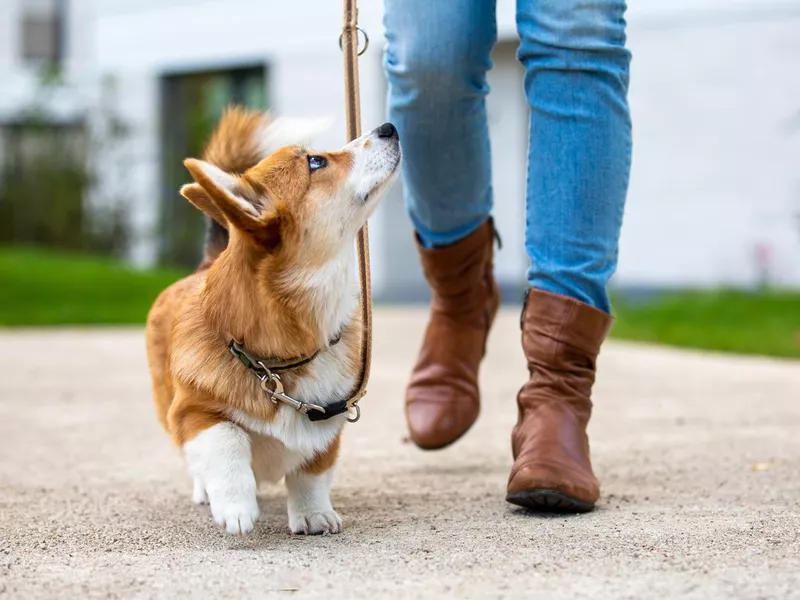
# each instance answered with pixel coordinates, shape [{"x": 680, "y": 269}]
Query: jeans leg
[
  {"x": 436, "y": 61},
  {"x": 576, "y": 83}
]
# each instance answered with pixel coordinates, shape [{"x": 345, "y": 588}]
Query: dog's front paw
[
  {"x": 237, "y": 516},
  {"x": 315, "y": 523},
  {"x": 219, "y": 461}
]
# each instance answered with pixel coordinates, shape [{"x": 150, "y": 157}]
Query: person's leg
[
  {"x": 576, "y": 84},
  {"x": 436, "y": 62}
]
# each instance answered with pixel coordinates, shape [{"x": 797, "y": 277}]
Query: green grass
[
  {"x": 44, "y": 287},
  {"x": 725, "y": 320},
  {"x": 47, "y": 287}
]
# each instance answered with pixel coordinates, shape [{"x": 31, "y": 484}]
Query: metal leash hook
[
  {"x": 366, "y": 40},
  {"x": 276, "y": 393}
]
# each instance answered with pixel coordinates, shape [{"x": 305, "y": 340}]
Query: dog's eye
[{"x": 316, "y": 162}]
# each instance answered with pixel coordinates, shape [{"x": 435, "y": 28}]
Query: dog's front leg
[
  {"x": 309, "y": 495},
  {"x": 220, "y": 458},
  {"x": 309, "y": 503}
]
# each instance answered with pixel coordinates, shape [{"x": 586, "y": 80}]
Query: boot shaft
[
  {"x": 561, "y": 338},
  {"x": 460, "y": 275}
]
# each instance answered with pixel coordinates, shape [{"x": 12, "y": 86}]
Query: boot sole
[{"x": 549, "y": 501}]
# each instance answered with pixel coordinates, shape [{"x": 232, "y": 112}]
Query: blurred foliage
[
  {"x": 42, "y": 287},
  {"x": 758, "y": 322},
  {"x": 49, "y": 192}
]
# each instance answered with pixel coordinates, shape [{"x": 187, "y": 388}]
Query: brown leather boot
[
  {"x": 442, "y": 398},
  {"x": 561, "y": 338}
]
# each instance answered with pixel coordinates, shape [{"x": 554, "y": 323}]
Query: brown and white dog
[{"x": 278, "y": 279}]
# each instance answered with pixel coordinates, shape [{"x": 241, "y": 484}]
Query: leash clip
[{"x": 273, "y": 386}]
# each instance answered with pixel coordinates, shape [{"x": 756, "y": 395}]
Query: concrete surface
[{"x": 699, "y": 457}]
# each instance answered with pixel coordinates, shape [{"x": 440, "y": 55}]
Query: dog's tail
[
  {"x": 233, "y": 147},
  {"x": 242, "y": 139}
]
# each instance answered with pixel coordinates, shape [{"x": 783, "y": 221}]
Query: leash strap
[
  {"x": 269, "y": 375},
  {"x": 353, "y": 118}
]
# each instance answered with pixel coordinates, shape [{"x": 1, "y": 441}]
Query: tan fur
[
  {"x": 192, "y": 320},
  {"x": 325, "y": 459},
  {"x": 233, "y": 146},
  {"x": 282, "y": 287}
]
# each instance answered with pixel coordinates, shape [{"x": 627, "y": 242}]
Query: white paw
[
  {"x": 199, "y": 495},
  {"x": 237, "y": 516},
  {"x": 315, "y": 523},
  {"x": 219, "y": 460}
]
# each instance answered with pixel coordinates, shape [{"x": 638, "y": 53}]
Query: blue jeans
[{"x": 576, "y": 84}]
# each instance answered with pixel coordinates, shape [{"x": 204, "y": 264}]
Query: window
[{"x": 41, "y": 31}]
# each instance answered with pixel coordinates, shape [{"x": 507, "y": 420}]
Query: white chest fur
[
  {"x": 329, "y": 378},
  {"x": 291, "y": 439},
  {"x": 282, "y": 445}
]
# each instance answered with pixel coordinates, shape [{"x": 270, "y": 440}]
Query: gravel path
[{"x": 699, "y": 457}]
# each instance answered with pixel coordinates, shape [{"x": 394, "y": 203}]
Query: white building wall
[
  {"x": 9, "y": 42},
  {"x": 16, "y": 81},
  {"x": 19, "y": 82},
  {"x": 715, "y": 89},
  {"x": 715, "y": 97}
]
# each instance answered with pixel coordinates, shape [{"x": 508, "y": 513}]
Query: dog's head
[{"x": 303, "y": 206}]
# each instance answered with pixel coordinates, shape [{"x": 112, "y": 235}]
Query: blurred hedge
[{"x": 50, "y": 192}]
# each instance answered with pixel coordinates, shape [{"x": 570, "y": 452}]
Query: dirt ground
[{"x": 698, "y": 455}]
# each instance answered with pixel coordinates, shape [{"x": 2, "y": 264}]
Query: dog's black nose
[{"x": 387, "y": 130}]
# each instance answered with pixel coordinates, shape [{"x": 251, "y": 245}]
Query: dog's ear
[
  {"x": 195, "y": 194},
  {"x": 219, "y": 197}
]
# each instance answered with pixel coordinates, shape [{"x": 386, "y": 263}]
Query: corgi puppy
[{"x": 254, "y": 355}]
